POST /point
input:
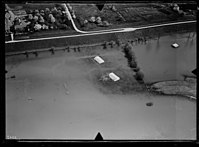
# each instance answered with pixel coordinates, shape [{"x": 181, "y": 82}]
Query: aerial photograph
[{"x": 101, "y": 70}]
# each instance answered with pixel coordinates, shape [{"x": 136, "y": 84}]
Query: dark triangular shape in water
[
  {"x": 195, "y": 71},
  {"x": 99, "y": 137}
]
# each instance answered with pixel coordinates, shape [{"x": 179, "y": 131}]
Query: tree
[
  {"x": 132, "y": 64},
  {"x": 139, "y": 76},
  {"x": 130, "y": 55}
]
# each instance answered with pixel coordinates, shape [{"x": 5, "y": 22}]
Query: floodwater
[
  {"x": 54, "y": 97},
  {"x": 159, "y": 61}
]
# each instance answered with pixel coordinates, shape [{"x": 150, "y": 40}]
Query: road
[
  {"x": 119, "y": 30},
  {"x": 89, "y": 33}
]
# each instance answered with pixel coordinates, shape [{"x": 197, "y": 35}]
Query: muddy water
[{"x": 55, "y": 98}]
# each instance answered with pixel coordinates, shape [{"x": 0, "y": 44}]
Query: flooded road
[{"x": 54, "y": 97}]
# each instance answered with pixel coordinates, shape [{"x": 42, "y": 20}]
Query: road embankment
[{"x": 83, "y": 39}]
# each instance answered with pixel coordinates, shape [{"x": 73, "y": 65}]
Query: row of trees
[{"x": 132, "y": 63}]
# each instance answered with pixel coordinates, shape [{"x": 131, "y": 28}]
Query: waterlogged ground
[{"x": 60, "y": 96}]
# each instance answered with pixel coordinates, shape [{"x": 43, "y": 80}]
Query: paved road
[
  {"x": 84, "y": 33},
  {"x": 119, "y": 30}
]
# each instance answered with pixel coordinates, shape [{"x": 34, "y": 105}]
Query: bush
[
  {"x": 136, "y": 69},
  {"x": 105, "y": 45},
  {"x": 139, "y": 76},
  {"x": 130, "y": 55},
  {"x": 128, "y": 47},
  {"x": 132, "y": 64},
  {"x": 118, "y": 42}
]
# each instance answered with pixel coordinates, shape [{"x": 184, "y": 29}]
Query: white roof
[
  {"x": 114, "y": 77},
  {"x": 175, "y": 45},
  {"x": 99, "y": 59}
]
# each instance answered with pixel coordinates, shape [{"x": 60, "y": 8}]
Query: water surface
[{"x": 52, "y": 97}]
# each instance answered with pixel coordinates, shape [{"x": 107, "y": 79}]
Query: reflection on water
[
  {"x": 148, "y": 46},
  {"x": 158, "y": 45},
  {"x": 84, "y": 110}
]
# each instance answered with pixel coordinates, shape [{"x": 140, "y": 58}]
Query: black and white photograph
[{"x": 101, "y": 70}]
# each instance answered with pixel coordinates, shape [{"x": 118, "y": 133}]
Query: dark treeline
[{"x": 132, "y": 63}]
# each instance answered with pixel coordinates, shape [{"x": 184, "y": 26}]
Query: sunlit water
[{"x": 54, "y": 98}]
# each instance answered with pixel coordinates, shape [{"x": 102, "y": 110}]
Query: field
[{"x": 130, "y": 15}]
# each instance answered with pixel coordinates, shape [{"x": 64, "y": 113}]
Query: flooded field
[{"x": 59, "y": 97}]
